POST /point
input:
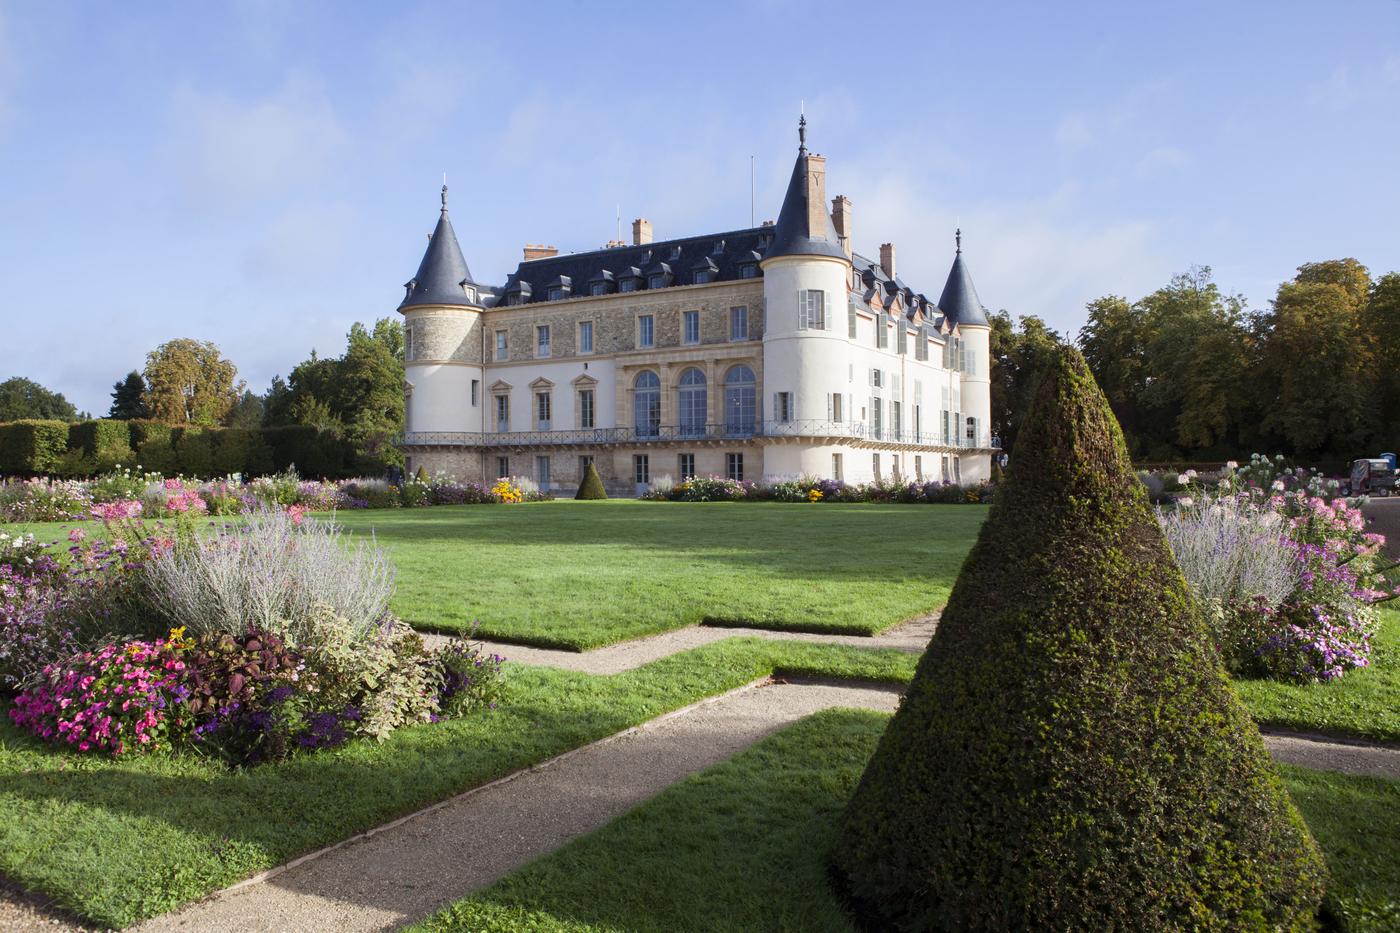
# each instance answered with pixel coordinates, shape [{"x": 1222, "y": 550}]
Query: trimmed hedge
[
  {"x": 592, "y": 485},
  {"x": 1069, "y": 754},
  {"x": 32, "y": 446}
]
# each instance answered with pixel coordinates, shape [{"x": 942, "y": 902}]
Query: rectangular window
[
  {"x": 882, "y": 332},
  {"x": 476, "y": 392},
  {"x": 556, "y": 293},
  {"x": 656, "y": 280},
  {"x": 837, "y": 473},
  {"x": 646, "y": 330},
  {"x": 502, "y": 467},
  {"x": 918, "y": 468},
  {"x": 782, "y": 406},
  {"x": 502, "y": 414},
  {"x": 851, "y": 321},
  {"x": 542, "y": 472},
  {"x": 584, "y": 462},
  {"x": 739, "y": 323},
  {"x": 957, "y": 469},
  {"x": 598, "y": 288},
  {"x": 918, "y": 421},
  {"x": 734, "y": 467},
  {"x": 691, "y": 329},
  {"x": 877, "y": 378},
  {"x": 946, "y": 474},
  {"x": 700, "y": 277},
  {"x": 585, "y": 408},
  {"x": 920, "y": 346},
  {"x": 838, "y": 407},
  {"x": 903, "y": 342},
  {"x": 875, "y": 465},
  {"x": 408, "y": 343},
  {"x": 627, "y": 285},
  {"x": 502, "y": 347},
  {"x": 811, "y": 310},
  {"x": 542, "y": 411},
  {"x": 896, "y": 418},
  {"x": 687, "y": 466},
  {"x": 748, "y": 270},
  {"x": 641, "y": 469},
  {"x": 877, "y": 417},
  {"x": 585, "y": 336},
  {"x": 542, "y": 340}
]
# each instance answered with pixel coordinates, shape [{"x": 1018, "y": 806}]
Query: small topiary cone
[
  {"x": 421, "y": 476},
  {"x": 1069, "y": 754},
  {"x": 592, "y": 485}
]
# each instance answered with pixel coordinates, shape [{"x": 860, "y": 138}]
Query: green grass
[
  {"x": 578, "y": 575},
  {"x": 120, "y": 841},
  {"x": 1364, "y": 703},
  {"x": 741, "y": 847},
  {"x": 582, "y": 574}
]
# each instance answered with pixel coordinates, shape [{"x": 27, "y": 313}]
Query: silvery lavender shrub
[
  {"x": 276, "y": 572},
  {"x": 1233, "y": 555}
]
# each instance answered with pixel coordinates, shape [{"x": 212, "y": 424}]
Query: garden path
[
  {"x": 912, "y": 636},
  {"x": 405, "y": 870}
]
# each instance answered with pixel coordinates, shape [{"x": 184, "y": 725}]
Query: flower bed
[
  {"x": 811, "y": 489},
  {"x": 1283, "y": 568},
  {"x": 267, "y": 639},
  {"x": 125, "y": 494}
]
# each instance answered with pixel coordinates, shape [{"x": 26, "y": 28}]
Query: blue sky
[{"x": 263, "y": 174}]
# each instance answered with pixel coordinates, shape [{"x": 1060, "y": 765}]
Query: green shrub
[
  {"x": 415, "y": 494},
  {"x": 242, "y": 450},
  {"x": 1069, "y": 754},
  {"x": 106, "y": 443},
  {"x": 32, "y": 446},
  {"x": 141, "y": 430},
  {"x": 157, "y": 455},
  {"x": 194, "y": 452},
  {"x": 313, "y": 452},
  {"x": 591, "y": 486}
]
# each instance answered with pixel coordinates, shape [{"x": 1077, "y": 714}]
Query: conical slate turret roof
[
  {"x": 443, "y": 273},
  {"x": 959, "y": 300},
  {"x": 790, "y": 235}
]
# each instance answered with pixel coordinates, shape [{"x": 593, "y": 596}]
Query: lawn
[
  {"x": 118, "y": 841},
  {"x": 582, "y": 574},
  {"x": 741, "y": 847}
]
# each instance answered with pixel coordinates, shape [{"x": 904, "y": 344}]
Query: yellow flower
[{"x": 814, "y": 495}]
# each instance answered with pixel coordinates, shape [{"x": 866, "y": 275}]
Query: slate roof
[
  {"x": 443, "y": 271},
  {"x": 790, "y": 233},
  {"x": 722, "y": 254},
  {"x": 875, "y": 280},
  {"x": 959, "y": 299}
]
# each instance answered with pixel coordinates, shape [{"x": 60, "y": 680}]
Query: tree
[
  {"x": 1381, "y": 326},
  {"x": 129, "y": 398},
  {"x": 1316, "y": 370},
  {"x": 1069, "y": 754},
  {"x": 247, "y": 412},
  {"x": 1019, "y": 352},
  {"x": 190, "y": 382},
  {"x": 22, "y": 398}
]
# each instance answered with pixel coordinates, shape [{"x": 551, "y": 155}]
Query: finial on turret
[
  {"x": 957, "y": 238},
  {"x": 444, "y": 194},
  {"x": 802, "y": 133}
]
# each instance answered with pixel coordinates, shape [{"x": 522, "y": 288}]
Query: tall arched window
[
  {"x": 692, "y": 402},
  {"x": 740, "y": 398},
  {"x": 646, "y": 403}
]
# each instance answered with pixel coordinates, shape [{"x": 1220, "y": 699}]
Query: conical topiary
[
  {"x": 592, "y": 485},
  {"x": 421, "y": 476},
  {"x": 1069, "y": 754}
]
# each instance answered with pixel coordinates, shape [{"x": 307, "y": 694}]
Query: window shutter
[
  {"x": 801, "y": 310},
  {"x": 828, "y": 407},
  {"x": 777, "y": 412}
]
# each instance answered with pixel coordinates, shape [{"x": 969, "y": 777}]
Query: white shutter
[
  {"x": 829, "y": 406},
  {"x": 802, "y": 310}
]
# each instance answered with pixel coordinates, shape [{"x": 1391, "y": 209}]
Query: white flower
[
  {"x": 1232, "y": 465},
  {"x": 1186, "y": 502},
  {"x": 1278, "y": 485},
  {"x": 1183, "y": 479}
]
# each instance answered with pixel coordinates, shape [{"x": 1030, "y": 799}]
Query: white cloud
[
  {"x": 1162, "y": 160},
  {"x": 234, "y": 154}
]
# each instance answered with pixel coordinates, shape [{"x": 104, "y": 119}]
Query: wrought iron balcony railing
[{"x": 708, "y": 432}]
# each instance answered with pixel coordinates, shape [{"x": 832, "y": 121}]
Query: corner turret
[{"x": 443, "y": 277}]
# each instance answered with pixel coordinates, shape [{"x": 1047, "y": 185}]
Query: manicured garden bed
[
  {"x": 742, "y": 846},
  {"x": 118, "y": 840}
]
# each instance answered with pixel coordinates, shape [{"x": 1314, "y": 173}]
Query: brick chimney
[
  {"x": 841, "y": 218},
  {"x": 816, "y": 195},
  {"x": 533, "y": 251},
  {"x": 641, "y": 231},
  {"x": 887, "y": 258}
]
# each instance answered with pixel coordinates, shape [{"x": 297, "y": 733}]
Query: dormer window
[
  {"x": 560, "y": 288},
  {"x": 518, "y": 294},
  {"x": 675, "y": 252},
  {"x": 748, "y": 270},
  {"x": 601, "y": 283},
  {"x": 718, "y": 249},
  {"x": 470, "y": 293},
  {"x": 515, "y": 298},
  {"x": 628, "y": 284},
  {"x": 656, "y": 280},
  {"x": 598, "y": 288},
  {"x": 700, "y": 277},
  {"x": 556, "y": 293}
]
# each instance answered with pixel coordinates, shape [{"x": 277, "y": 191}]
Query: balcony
[{"x": 823, "y": 431}]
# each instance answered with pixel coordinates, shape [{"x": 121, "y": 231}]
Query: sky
[{"x": 263, "y": 174}]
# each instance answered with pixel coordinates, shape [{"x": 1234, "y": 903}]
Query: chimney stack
[
  {"x": 841, "y": 218},
  {"x": 887, "y": 258},
  {"x": 641, "y": 231},
  {"x": 816, "y": 195},
  {"x": 533, "y": 251}
]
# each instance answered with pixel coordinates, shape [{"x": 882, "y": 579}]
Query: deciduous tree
[{"x": 190, "y": 382}]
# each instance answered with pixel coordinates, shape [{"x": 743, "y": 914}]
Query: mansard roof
[
  {"x": 725, "y": 254},
  {"x": 443, "y": 273},
  {"x": 875, "y": 280}
]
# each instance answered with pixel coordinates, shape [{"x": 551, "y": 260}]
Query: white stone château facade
[{"x": 765, "y": 352}]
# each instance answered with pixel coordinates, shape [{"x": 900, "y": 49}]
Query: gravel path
[
  {"x": 911, "y": 636},
  {"x": 404, "y": 871}
]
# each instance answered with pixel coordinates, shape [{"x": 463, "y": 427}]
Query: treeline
[
  {"x": 1193, "y": 374},
  {"x": 187, "y": 411}
]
